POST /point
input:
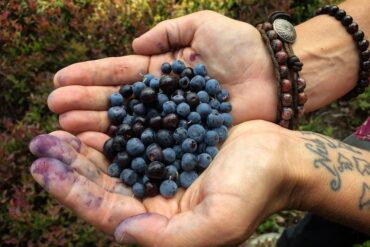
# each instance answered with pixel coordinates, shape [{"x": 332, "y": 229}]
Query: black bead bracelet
[{"x": 362, "y": 45}]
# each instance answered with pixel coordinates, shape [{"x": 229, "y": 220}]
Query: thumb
[
  {"x": 169, "y": 34},
  {"x": 208, "y": 224}
]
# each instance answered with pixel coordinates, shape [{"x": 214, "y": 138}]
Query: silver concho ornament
[{"x": 285, "y": 30}]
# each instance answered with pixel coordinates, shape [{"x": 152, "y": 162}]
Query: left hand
[{"x": 248, "y": 180}]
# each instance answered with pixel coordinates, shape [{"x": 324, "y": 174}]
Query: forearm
[
  {"x": 330, "y": 56},
  {"x": 334, "y": 181}
]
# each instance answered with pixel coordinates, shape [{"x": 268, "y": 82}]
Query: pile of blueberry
[{"x": 166, "y": 129}]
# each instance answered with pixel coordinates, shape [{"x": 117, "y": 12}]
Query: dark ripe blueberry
[
  {"x": 125, "y": 90},
  {"x": 128, "y": 176},
  {"x": 187, "y": 72},
  {"x": 129, "y": 119},
  {"x": 178, "y": 151},
  {"x": 155, "y": 122},
  {"x": 204, "y": 160},
  {"x": 119, "y": 143},
  {"x": 200, "y": 69},
  {"x": 156, "y": 170},
  {"x": 169, "y": 155},
  {"x": 151, "y": 189},
  {"x": 116, "y": 99},
  {"x": 123, "y": 159},
  {"x": 154, "y": 84},
  {"x": 197, "y": 83},
  {"x": 178, "y": 66},
  {"x": 212, "y": 150},
  {"x": 188, "y": 162},
  {"x": 124, "y": 130},
  {"x": 148, "y": 136},
  {"x": 225, "y": 107},
  {"x": 114, "y": 170},
  {"x": 194, "y": 117},
  {"x": 180, "y": 134},
  {"x": 166, "y": 68},
  {"x": 196, "y": 132},
  {"x": 222, "y": 132},
  {"x": 192, "y": 99},
  {"x": 112, "y": 130},
  {"x": 168, "y": 188},
  {"x": 138, "y": 190},
  {"x": 178, "y": 92},
  {"x": 211, "y": 138},
  {"x": 214, "y": 103},
  {"x": 139, "y": 109},
  {"x": 140, "y": 119},
  {"x": 148, "y": 95},
  {"x": 183, "y": 123},
  {"x": 171, "y": 172},
  {"x": 151, "y": 113},
  {"x": 203, "y": 96},
  {"x": 138, "y": 165},
  {"x": 223, "y": 95},
  {"x": 116, "y": 114},
  {"x": 131, "y": 103},
  {"x": 178, "y": 99},
  {"x": 170, "y": 121},
  {"x": 138, "y": 128},
  {"x": 187, "y": 178},
  {"x": 164, "y": 138},
  {"x": 204, "y": 109},
  {"x": 189, "y": 146},
  {"x": 137, "y": 87},
  {"x": 168, "y": 84},
  {"x": 108, "y": 150},
  {"x": 147, "y": 78},
  {"x": 184, "y": 83},
  {"x": 214, "y": 120},
  {"x": 177, "y": 164},
  {"x": 161, "y": 98},
  {"x": 154, "y": 152}
]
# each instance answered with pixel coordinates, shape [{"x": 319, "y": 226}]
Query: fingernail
[
  {"x": 58, "y": 79},
  {"x": 126, "y": 238}
]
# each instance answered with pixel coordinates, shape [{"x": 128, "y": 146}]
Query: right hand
[{"x": 232, "y": 51}]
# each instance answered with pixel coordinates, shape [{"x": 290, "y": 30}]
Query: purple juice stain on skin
[
  {"x": 193, "y": 56},
  {"x": 93, "y": 202},
  {"x": 161, "y": 47},
  {"x": 51, "y": 146}
]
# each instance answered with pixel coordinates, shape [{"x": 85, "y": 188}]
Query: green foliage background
[{"x": 39, "y": 37}]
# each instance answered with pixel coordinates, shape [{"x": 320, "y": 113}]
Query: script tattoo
[
  {"x": 365, "y": 196},
  {"x": 363, "y": 166}
]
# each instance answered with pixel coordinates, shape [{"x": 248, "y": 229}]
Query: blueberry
[
  {"x": 164, "y": 138},
  {"x": 116, "y": 99},
  {"x": 183, "y": 109},
  {"x": 161, "y": 97},
  {"x": 196, "y": 132},
  {"x": 214, "y": 103},
  {"x": 108, "y": 150},
  {"x": 171, "y": 172},
  {"x": 188, "y": 162},
  {"x": 138, "y": 165},
  {"x": 166, "y": 68},
  {"x": 184, "y": 83},
  {"x": 187, "y": 178},
  {"x": 156, "y": 170},
  {"x": 200, "y": 69},
  {"x": 204, "y": 160},
  {"x": 168, "y": 188},
  {"x": 225, "y": 107},
  {"x": 213, "y": 87},
  {"x": 211, "y": 138},
  {"x": 212, "y": 150},
  {"x": 139, "y": 119},
  {"x": 197, "y": 83},
  {"x": 222, "y": 132},
  {"x": 203, "y": 96},
  {"x": 135, "y": 147},
  {"x": 178, "y": 66},
  {"x": 132, "y": 103},
  {"x": 119, "y": 143},
  {"x": 155, "y": 122},
  {"x": 192, "y": 99},
  {"x": 201, "y": 147},
  {"x": 138, "y": 128},
  {"x": 177, "y": 164},
  {"x": 178, "y": 151},
  {"x": 145, "y": 179},
  {"x": 126, "y": 90},
  {"x": 223, "y": 95},
  {"x": 228, "y": 119},
  {"x": 214, "y": 120},
  {"x": 147, "y": 78},
  {"x": 138, "y": 190},
  {"x": 151, "y": 189},
  {"x": 128, "y": 176},
  {"x": 168, "y": 84},
  {"x": 169, "y": 155},
  {"x": 151, "y": 112},
  {"x": 169, "y": 107},
  {"x": 189, "y": 145},
  {"x": 129, "y": 119},
  {"x": 178, "y": 98},
  {"x": 116, "y": 114},
  {"x": 154, "y": 84},
  {"x": 154, "y": 152},
  {"x": 148, "y": 136},
  {"x": 139, "y": 109},
  {"x": 123, "y": 159},
  {"x": 194, "y": 117},
  {"x": 170, "y": 121},
  {"x": 137, "y": 87},
  {"x": 148, "y": 95},
  {"x": 187, "y": 72},
  {"x": 204, "y": 109},
  {"x": 180, "y": 134},
  {"x": 183, "y": 123},
  {"x": 114, "y": 170}
]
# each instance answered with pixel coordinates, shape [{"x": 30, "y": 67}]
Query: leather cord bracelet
[{"x": 362, "y": 45}]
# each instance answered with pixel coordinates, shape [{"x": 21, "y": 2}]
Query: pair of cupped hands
[{"x": 247, "y": 181}]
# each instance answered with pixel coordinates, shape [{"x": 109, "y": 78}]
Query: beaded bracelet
[{"x": 362, "y": 45}]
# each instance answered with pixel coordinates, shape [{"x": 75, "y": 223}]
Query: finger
[
  {"x": 98, "y": 207},
  {"x": 91, "y": 154},
  {"x": 94, "y": 139},
  {"x": 52, "y": 147},
  {"x": 106, "y": 71},
  {"x": 168, "y": 35},
  {"x": 208, "y": 224},
  {"x": 80, "y": 121},
  {"x": 80, "y": 98}
]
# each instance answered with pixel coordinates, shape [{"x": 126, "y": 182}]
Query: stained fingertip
[{"x": 72, "y": 140}]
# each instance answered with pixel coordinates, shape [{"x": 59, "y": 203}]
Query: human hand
[
  {"x": 233, "y": 52},
  {"x": 247, "y": 181}
]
